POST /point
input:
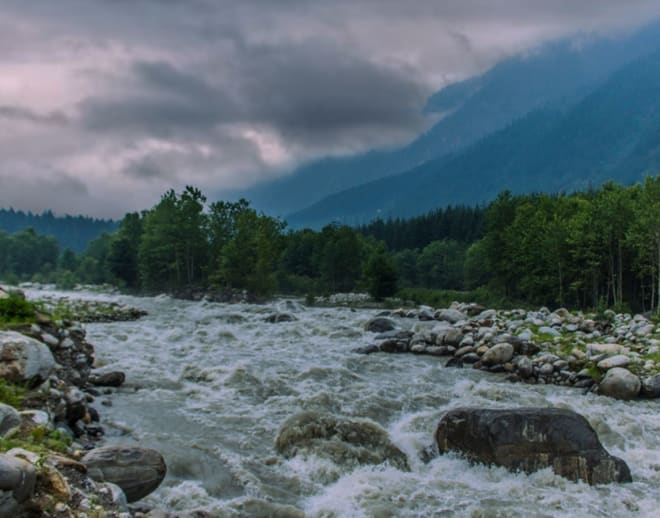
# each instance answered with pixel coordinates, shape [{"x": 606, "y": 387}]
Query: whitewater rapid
[{"x": 209, "y": 385}]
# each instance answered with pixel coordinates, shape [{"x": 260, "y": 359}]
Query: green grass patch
[
  {"x": 39, "y": 440},
  {"x": 443, "y": 298},
  {"x": 11, "y": 394},
  {"x": 16, "y": 310}
]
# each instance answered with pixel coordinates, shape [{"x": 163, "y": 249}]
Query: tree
[
  {"x": 123, "y": 255},
  {"x": 380, "y": 275}
]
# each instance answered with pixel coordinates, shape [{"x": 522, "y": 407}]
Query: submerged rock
[
  {"x": 137, "y": 471},
  {"x": 276, "y": 318},
  {"x": 344, "y": 441},
  {"x": 530, "y": 439}
]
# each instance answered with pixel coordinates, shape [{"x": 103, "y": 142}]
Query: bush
[
  {"x": 15, "y": 309},
  {"x": 11, "y": 394}
]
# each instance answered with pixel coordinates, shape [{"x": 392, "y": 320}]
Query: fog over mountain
[{"x": 104, "y": 105}]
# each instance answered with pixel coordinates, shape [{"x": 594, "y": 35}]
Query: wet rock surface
[
  {"x": 530, "y": 439},
  {"x": 345, "y": 441},
  {"x": 137, "y": 471}
]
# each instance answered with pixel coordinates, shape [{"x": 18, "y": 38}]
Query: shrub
[{"x": 15, "y": 309}]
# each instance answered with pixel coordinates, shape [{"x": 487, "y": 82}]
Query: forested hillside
[
  {"x": 73, "y": 232},
  {"x": 557, "y": 73},
  {"x": 613, "y": 133}
]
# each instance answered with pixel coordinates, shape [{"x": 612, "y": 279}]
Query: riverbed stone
[
  {"x": 597, "y": 349},
  {"x": 24, "y": 359},
  {"x": 9, "y": 418},
  {"x": 651, "y": 386},
  {"x": 620, "y": 383},
  {"x": 498, "y": 354},
  {"x": 108, "y": 379},
  {"x": 450, "y": 315},
  {"x": 17, "y": 483},
  {"x": 380, "y": 325},
  {"x": 344, "y": 441},
  {"x": 618, "y": 360},
  {"x": 138, "y": 471},
  {"x": 530, "y": 439}
]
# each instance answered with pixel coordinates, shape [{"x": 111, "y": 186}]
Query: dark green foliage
[
  {"x": 73, "y": 232},
  {"x": 15, "y": 309},
  {"x": 380, "y": 276},
  {"x": 11, "y": 394}
]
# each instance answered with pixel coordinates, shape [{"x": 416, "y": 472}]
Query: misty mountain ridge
[
  {"x": 555, "y": 74},
  {"x": 611, "y": 133}
]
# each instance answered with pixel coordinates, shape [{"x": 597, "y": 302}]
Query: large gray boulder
[
  {"x": 620, "y": 383},
  {"x": 530, "y": 439},
  {"x": 24, "y": 359},
  {"x": 17, "y": 483},
  {"x": 137, "y": 471}
]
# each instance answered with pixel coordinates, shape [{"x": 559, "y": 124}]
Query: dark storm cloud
[
  {"x": 303, "y": 92},
  {"x": 137, "y": 95}
]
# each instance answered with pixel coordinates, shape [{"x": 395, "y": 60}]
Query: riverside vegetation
[{"x": 592, "y": 249}]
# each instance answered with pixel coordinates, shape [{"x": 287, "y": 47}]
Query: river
[{"x": 209, "y": 385}]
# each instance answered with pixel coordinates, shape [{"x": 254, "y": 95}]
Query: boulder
[
  {"x": 450, "y": 315},
  {"x": 651, "y": 386},
  {"x": 9, "y": 418},
  {"x": 525, "y": 367},
  {"x": 620, "y": 383},
  {"x": 619, "y": 360},
  {"x": 24, "y": 360},
  {"x": 380, "y": 325},
  {"x": 530, "y": 439},
  {"x": 596, "y": 349},
  {"x": 108, "y": 379},
  {"x": 17, "y": 483},
  {"x": 137, "y": 471},
  {"x": 344, "y": 441},
  {"x": 498, "y": 354}
]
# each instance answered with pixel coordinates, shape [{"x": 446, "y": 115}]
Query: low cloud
[{"x": 125, "y": 99}]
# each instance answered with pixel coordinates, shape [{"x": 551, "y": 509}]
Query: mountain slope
[
  {"x": 613, "y": 133},
  {"x": 472, "y": 109}
]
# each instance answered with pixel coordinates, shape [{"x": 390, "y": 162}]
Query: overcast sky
[{"x": 105, "y": 104}]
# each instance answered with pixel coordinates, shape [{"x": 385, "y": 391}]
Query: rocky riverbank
[
  {"x": 616, "y": 355},
  {"x": 52, "y": 461}
]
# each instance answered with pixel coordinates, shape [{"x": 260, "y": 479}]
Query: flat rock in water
[
  {"x": 138, "y": 471},
  {"x": 530, "y": 439}
]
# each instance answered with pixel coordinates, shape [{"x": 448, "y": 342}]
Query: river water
[{"x": 209, "y": 386}]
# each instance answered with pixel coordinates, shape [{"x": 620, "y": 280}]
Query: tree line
[
  {"x": 70, "y": 231},
  {"x": 588, "y": 249}
]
